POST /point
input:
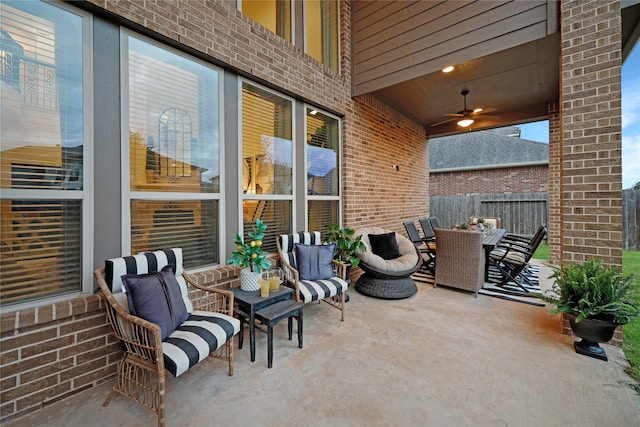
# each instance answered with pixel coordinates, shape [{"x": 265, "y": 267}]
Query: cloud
[{"x": 631, "y": 104}]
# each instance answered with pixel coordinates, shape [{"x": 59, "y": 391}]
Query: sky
[{"x": 539, "y": 131}]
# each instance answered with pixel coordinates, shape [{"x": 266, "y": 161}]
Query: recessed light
[{"x": 447, "y": 69}]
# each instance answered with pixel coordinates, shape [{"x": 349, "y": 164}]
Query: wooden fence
[
  {"x": 522, "y": 213},
  {"x": 631, "y": 219}
]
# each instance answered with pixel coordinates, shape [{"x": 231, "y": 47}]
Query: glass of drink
[
  {"x": 264, "y": 284},
  {"x": 275, "y": 278}
]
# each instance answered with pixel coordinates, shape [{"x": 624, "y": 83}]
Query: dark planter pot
[{"x": 592, "y": 332}]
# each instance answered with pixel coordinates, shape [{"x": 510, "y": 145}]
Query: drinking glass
[
  {"x": 264, "y": 284},
  {"x": 275, "y": 278}
]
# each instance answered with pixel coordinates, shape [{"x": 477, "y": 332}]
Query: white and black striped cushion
[
  {"x": 144, "y": 263},
  {"x": 288, "y": 242},
  {"x": 200, "y": 335},
  {"x": 313, "y": 290},
  {"x": 310, "y": 290}
]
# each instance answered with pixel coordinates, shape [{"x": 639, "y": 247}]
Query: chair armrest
[
  {"x": 137, "y": 336},
  {"x": 341, "y": 269},
  {"x": 291, "y": 277},
  {"x": 210, "y": 299},
  {"x": 516, "y": 238}
]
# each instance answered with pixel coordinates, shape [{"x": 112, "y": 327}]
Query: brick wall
[
  {"x": 217, "y": 29},
  {"x": 591, "y": 180},
  {"x": 554, "y": 227},
  {"x": 528, "y": 179},
  {"x": 51, "y": 352},
  {"x": 386, "y": 164}
]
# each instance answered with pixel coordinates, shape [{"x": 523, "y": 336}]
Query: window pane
[
  {"x": 273, "y": 14},
  {"x": 322, "y": 213},
  {"x": 41, "y": 98},
  {"x": 41, "y": 130},
  {"x": 267, "y": 149},
  {"x": 41, "y": 249},
  {"x": 276, "y": 214},
  {"x": 323, "y": 141},
  {"x": 189, "y": 224},
  {"x": 321, "y": 31},
  {"x": 173, "y": 122},
  {"x": 174, "y": 147}
]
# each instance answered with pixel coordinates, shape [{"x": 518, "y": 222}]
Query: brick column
[
  {"x": 554, "y": 227},
  {"x": 590, "y": 116}
]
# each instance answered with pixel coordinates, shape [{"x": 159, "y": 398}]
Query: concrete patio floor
[{"x": 439, "y": 358}]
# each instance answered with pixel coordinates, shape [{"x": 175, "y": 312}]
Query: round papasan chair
[{"x": 387, "y": 278}]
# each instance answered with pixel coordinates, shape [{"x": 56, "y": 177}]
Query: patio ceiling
[{"x": 516, "y": 83}]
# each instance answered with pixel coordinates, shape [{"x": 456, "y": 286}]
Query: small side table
[
  {"x": 248, "y": 302},
  {"x": 274, "y": 313}
]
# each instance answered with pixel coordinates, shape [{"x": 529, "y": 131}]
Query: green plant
[
  {"x": 595, "y": 291},
  {"x": 251, "y": 254},
  {"x": 464, "y": 226},
  {"x": 347, "y": 246}
]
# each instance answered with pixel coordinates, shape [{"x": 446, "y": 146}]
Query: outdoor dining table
[{"x": 489, "y": 242}]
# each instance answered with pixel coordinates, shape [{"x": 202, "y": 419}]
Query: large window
[
  {"x": 267, "y": 161},
  {"x": 322, "y": 168},
  {"x": 173, "y": 143},
  {"x": 43, "y": 135},
  {"x": 321, "y": 31},
  {"x": 273, "y": 14}
]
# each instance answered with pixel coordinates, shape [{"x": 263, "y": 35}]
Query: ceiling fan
[{"x": 465, "y": 117}]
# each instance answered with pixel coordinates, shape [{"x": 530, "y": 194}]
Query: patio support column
[
  {"x": 554, "y": 227},
  {"x": 591, "y": 136}
]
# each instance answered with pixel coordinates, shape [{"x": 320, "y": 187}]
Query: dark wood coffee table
[
  {"x": 248, "y": 302},
  {"x": 270, "y": 315}
]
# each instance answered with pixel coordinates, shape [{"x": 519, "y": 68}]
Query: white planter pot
[{"x": 249, "y": 280}]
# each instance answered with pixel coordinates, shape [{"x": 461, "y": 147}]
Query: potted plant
[
  {"x": 596, "y": 300},
  {"x": 249, "y": 254},
  {"x": 346, "y": 245}
]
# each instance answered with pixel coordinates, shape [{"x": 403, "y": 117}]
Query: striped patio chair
[
  {"x": 309, "y": 268},
  {"x": 186, "y": 330}
]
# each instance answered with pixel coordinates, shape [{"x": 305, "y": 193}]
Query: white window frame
[
  {"x": 127, "y": 194},
  {"x": 86, "y": 195},
  {"x": 337, "y": 198},
  {"x": 292, "y": 197}
]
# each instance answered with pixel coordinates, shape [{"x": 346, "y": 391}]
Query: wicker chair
[
  {"x": 209, "y": 330},
  {"x": 391, "y": 278},
  {"x": 331, "y": 290},
  {"x": 460, "y": 260}
]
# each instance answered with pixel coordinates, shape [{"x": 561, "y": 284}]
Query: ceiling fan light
[
  {"x": 465, "y": 123},
  {"x": 448, "y": 69}
]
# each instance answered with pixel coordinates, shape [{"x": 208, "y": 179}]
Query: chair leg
[
  {"x": 510, "y": 275},
  {"x": 342, "y": 306},
  {"x": 230, "y": 353}
]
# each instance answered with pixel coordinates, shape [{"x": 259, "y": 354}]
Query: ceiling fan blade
[
  {"x": 454, "y": 115},
  {"x": 487, "y": 110},
  {"x": 483, "y": 117},
  {"x": 443, "y": 122}
]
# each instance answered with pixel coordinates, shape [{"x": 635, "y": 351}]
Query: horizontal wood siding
[{"x": 395, "y": 41}]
